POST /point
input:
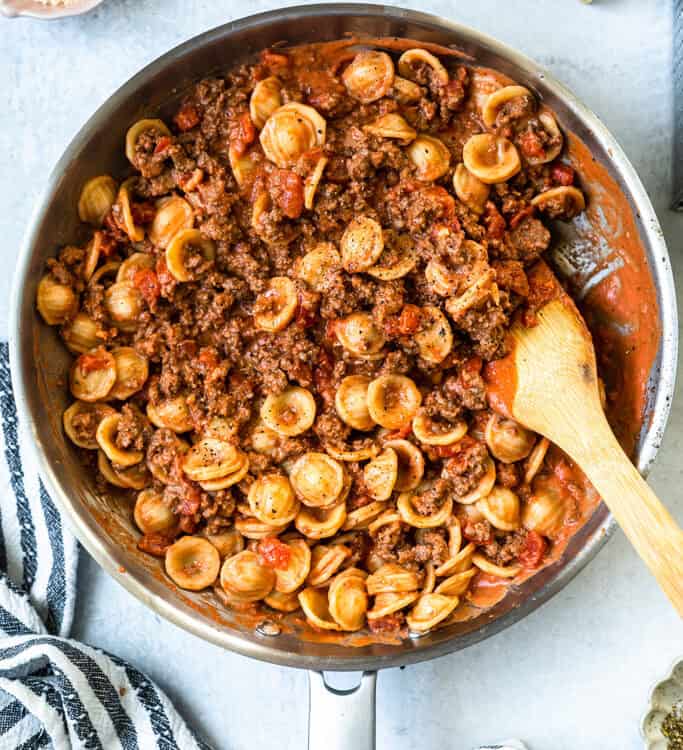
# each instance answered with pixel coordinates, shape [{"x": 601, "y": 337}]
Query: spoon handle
[{"x": 649, "y": 526}]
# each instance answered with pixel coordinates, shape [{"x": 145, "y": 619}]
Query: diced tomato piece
[
  {"x": 208, "y": 358},
  {"x": 322, "y": 376},
  {"x": 191, "y": 499},
  {"x": 94, "y": 361},
  {"x": 387, "y": 624},
  {"x": 409, "y": 319},
  {"x": 530, "y": 144},
  {"x": 143, "y": 212},
  {"x": 331, "y": 330},
  {"x": 242, "y": 133},
  {"x": 494, "y": 221},
  {"x": 147, "y": 282},
  {"x": 306, "y": 313},
  {"x": 401, "y": 433},
  {"x": 187, "y": 117},
  {"x": 562, "y": 174},
  {"x": 522, "y": 214},
  {"x": 154, "y": 544},
  {"x": 187, "y": 524},
  {"x": 274, "y": 553},
  {"x": 274, "y": 60},
  {"x": 163, "y": 274},
  {"x": 286, "y": 188},
  {"x": 108, "y": 244},
  {"x": 533, "y": 551},
  {"x": 162, "y": 144}
]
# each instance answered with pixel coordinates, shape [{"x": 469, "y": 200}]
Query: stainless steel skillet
[{"x": 39, "y": 361}]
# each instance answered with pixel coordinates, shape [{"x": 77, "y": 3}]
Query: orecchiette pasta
[
  {"x": 172, "y": 413},
  {"x": 289, "y": 579},
  {"x": 228, "y": 543},
  {"x": 210, "y": 458},
  {"x": 361, "y": 244},
  {"x": 429, "y": 611},
  {"x": 316, "y": 264},
  {"x": 432, "y": 432},
  {"x": 123, "y": 203},
  {"x": 56, "y": 302},
  {"x": 351, "y": 402},
  {"x": 484, "y": 486},
  {"x": 135, "y": 477},
  {"x": 565, "y": 200},
  {"x": 265, "y": 99},
  {"x": 434, "y": 338},
  {"x": 498, "y": 99},
  {"x": 500, "y": 508},
  {"x": 393, "y": 400},
  {"x": 369, "y": 76},
  {"x": 290, "y": 413},
  {"x": 192, "y": 563},
  {"x": 499, "y": 571},
  {"x": 107, "y": 431},
  {"x": 124, "y": 304},
  {"x": 282, "y": 323},
  {"x": 393, "y": 126},
  {"x": 348, "y": 599},
  {"x": 381, "y": 473},
  {"x": 420, "y": 65},
  {"x": 172, "y": 216},
  {"x": 316, "y": 607},
  {"x": 152, "y": 515},
  {"x": 312, "y": 181},
  {"x": 396, "y": 261},
  {"x": 470, "y": 189},
  {"x": 491, "y": 158},
  {"x": 245, "y": 579},
  {"x": 317, "y": 479},
  {"x": 545, "y": 509},
  {"x": 93, "y": 375},
  {"x": 275, "y": 308},
  {"x": 81, "y": 420},
  {"x": 320, "y": 523},
  {"x": 430, "y": 157},
  {"x": 97, "y": 197},
  {"x": 535, "y": 460},
  {"x": 272, "y": 499},
  {"x": 360, "y": 335},
  {"x": 81, "y": 333},
  {"x": 131, "y": 372},
  {"x": 325, "y": 562},
  {"x": 411, "y": 464},
  {"x": 392, "y": 578},
  {"x": 413, "y": 518},
  {"x": 290, "y": 131},
  {"x": 507, "y": 440},
  {"x": 139, "y": 128},
  {"x": 184, "y": 247}
]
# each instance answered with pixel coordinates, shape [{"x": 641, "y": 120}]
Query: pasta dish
[{"x": 280, "y": 323}]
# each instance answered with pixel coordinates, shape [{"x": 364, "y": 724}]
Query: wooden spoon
[{"x": 548, "y": 383}]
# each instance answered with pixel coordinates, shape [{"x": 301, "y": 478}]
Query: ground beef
[
  {"x": 204, "y": 344},
  {"x": 134, "y": 431},
  {"x": 430, "y": 501},
  {"x": 465, "y": 469},
  {"x": 526, "y": 242},
  {"x": 389, "y": 624}
]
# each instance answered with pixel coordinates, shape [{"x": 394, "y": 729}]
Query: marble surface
[{"x": 572, "y": 676}]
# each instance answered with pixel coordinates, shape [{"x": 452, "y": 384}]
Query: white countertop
[{"x": 572, "y": 676}]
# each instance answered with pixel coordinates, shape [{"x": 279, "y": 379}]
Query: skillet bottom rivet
[{"x": 269, "y": 628}]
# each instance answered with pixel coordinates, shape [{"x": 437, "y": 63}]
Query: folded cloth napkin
[{"x": 56, "y": 692}]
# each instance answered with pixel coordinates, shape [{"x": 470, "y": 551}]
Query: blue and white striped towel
[{"x": 55, "y": 692}]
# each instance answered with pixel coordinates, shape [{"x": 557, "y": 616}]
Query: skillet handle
[{"x": 341, "y": 719}]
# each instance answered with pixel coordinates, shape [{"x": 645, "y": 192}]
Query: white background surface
[{"x": 572, "y": 676}]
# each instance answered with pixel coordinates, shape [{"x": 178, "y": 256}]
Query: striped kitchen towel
[{"x": 55, "y": 692}]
